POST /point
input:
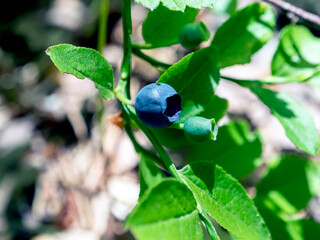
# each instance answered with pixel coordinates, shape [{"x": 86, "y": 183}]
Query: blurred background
[{"x": 67, "y": 172}]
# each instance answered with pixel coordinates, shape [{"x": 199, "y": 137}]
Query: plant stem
[
  {"x": 209, "y": 226},
  {"x": 152, "y": 61},
  {"x": 137, "y": 146},
  {"x": 127, "y": 30},
  {"x": 172, "y": 169},
  {"x": 123, "y": 94},
  {"x": 103, "y": 23},
  {"x": 143, "y": 46},
  {"x": 273, "y": 79},
  {"x": 150, "y": 46},
  {"x": 240, "y": 81},
  {"x": 159, "y": 148},
  {"x": 307, "y": 16}
]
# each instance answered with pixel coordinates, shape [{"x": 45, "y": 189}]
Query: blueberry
[
  {"x": 199, "y": 129},
  {"x": 192, "y": 34},
  {"x": 158, "y": 105}
]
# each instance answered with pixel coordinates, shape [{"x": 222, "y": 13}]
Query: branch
[
  {"x": 307, "y": 16},
  {"x": 149, "y": 59},
  {"x": 127, "y": 29},
  {"x": 103, "y": 23}
]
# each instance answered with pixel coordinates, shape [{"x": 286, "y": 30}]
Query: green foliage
[
  {"x": 244, "y": 33},
  {"x": 226, "y": 6},
  {"x": 287, "y": 187},
  {"x": 168, "y": 209},
  {"x": 225, "y": 200},
  {"x": 194, "y": 77},
  {"x": 175, "y": 138},
  {"x": 236, "y": 149},
  {"x": 176, "y": 5},
  {"x": 158, "y": 29},
  {"x": 296, "y": 120},
  {"x": 149, "y": 174},
  {"x": 84, "y": 63},
  {"x": 171, "y": 208},
  {"x": 288, "y": 183},
  {"x": 297, "y": 56}
]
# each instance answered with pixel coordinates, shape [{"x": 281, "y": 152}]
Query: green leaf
[
  {"x": 84, "y": 63},
  {"x": 225, "y": 200},
  {"x": 162, "y": 26},
  {"x": 297, "y": 56},
  {"x": 177, "y": 5},
  {"x": 194, "y": 77},
  {"x": 244, "y": 33},
  {"x": 276, "y": 225},
  {"x": 287, "y": 187},
  {"x": 226, "y": 6},
  {"x": 290, "y": 183},
  {"x": 296, "y": 119},
  {"x": 236, "y": 149},
  {"x": 149, "y": 174},
  {"x": 216, "y": 108},
  {"x": 281, "y": 229},
  {"x": 166, "y": 211},
  {"x": 151, "y": 4},
  {"x": 171, "y": 138},
  {"x": 304, "y": 229}
]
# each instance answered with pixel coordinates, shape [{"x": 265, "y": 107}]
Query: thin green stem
[
  {"x": 127, "y": 30},
  {"x": 152, "y": 61},
  {"x": 209, "y": 226},
  {"x": 103, "y": 23},
  {"x": 137, "y": 146},
  {"x": 240, "y": 81},
  {"x": 143, "y": 46},
  {"x": 159, "y": 148},
  {"x": 150, "y": 46},
  {"x": 123, "y": 94},
  {"x": 274, "y": 79},
  {"x": 171, "y": 167}
]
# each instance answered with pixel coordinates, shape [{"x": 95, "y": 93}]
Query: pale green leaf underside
[
  {"x": 84, "y": 63},
  {"x": 297, "y": 121},
  {"x": 169, "y": 199},
  {"x": 297, "y": 56},
  {"x": 244, "y": 33},
  {"x": 194, "y": 77},
  {"x": 183, "y": 228},
  {"x": 166, "y": 210},
  {"x": 226, "y": 201},
  {"x": 177, "y": 5}
]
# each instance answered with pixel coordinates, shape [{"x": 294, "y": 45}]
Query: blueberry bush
[{"x": 204, "y": 199}]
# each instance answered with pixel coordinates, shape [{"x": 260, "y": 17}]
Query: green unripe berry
[
  {"x": 199, "y": 129},
  {"x": 192, "y": 34}
]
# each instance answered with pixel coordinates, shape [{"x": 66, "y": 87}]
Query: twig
[
  {"x": 103, "y": 23},
  {"x": 149, "y": 59},
  {"x": 310, "y": 17}
]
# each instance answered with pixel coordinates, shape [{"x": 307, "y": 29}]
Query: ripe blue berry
[
  {"x": 158, "y": 105},
  {"x": 192, "y": 34},
  {"x": 199, "y": 129}
]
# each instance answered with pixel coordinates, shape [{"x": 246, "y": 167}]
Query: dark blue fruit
[{"x": 158, "y": 105}]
